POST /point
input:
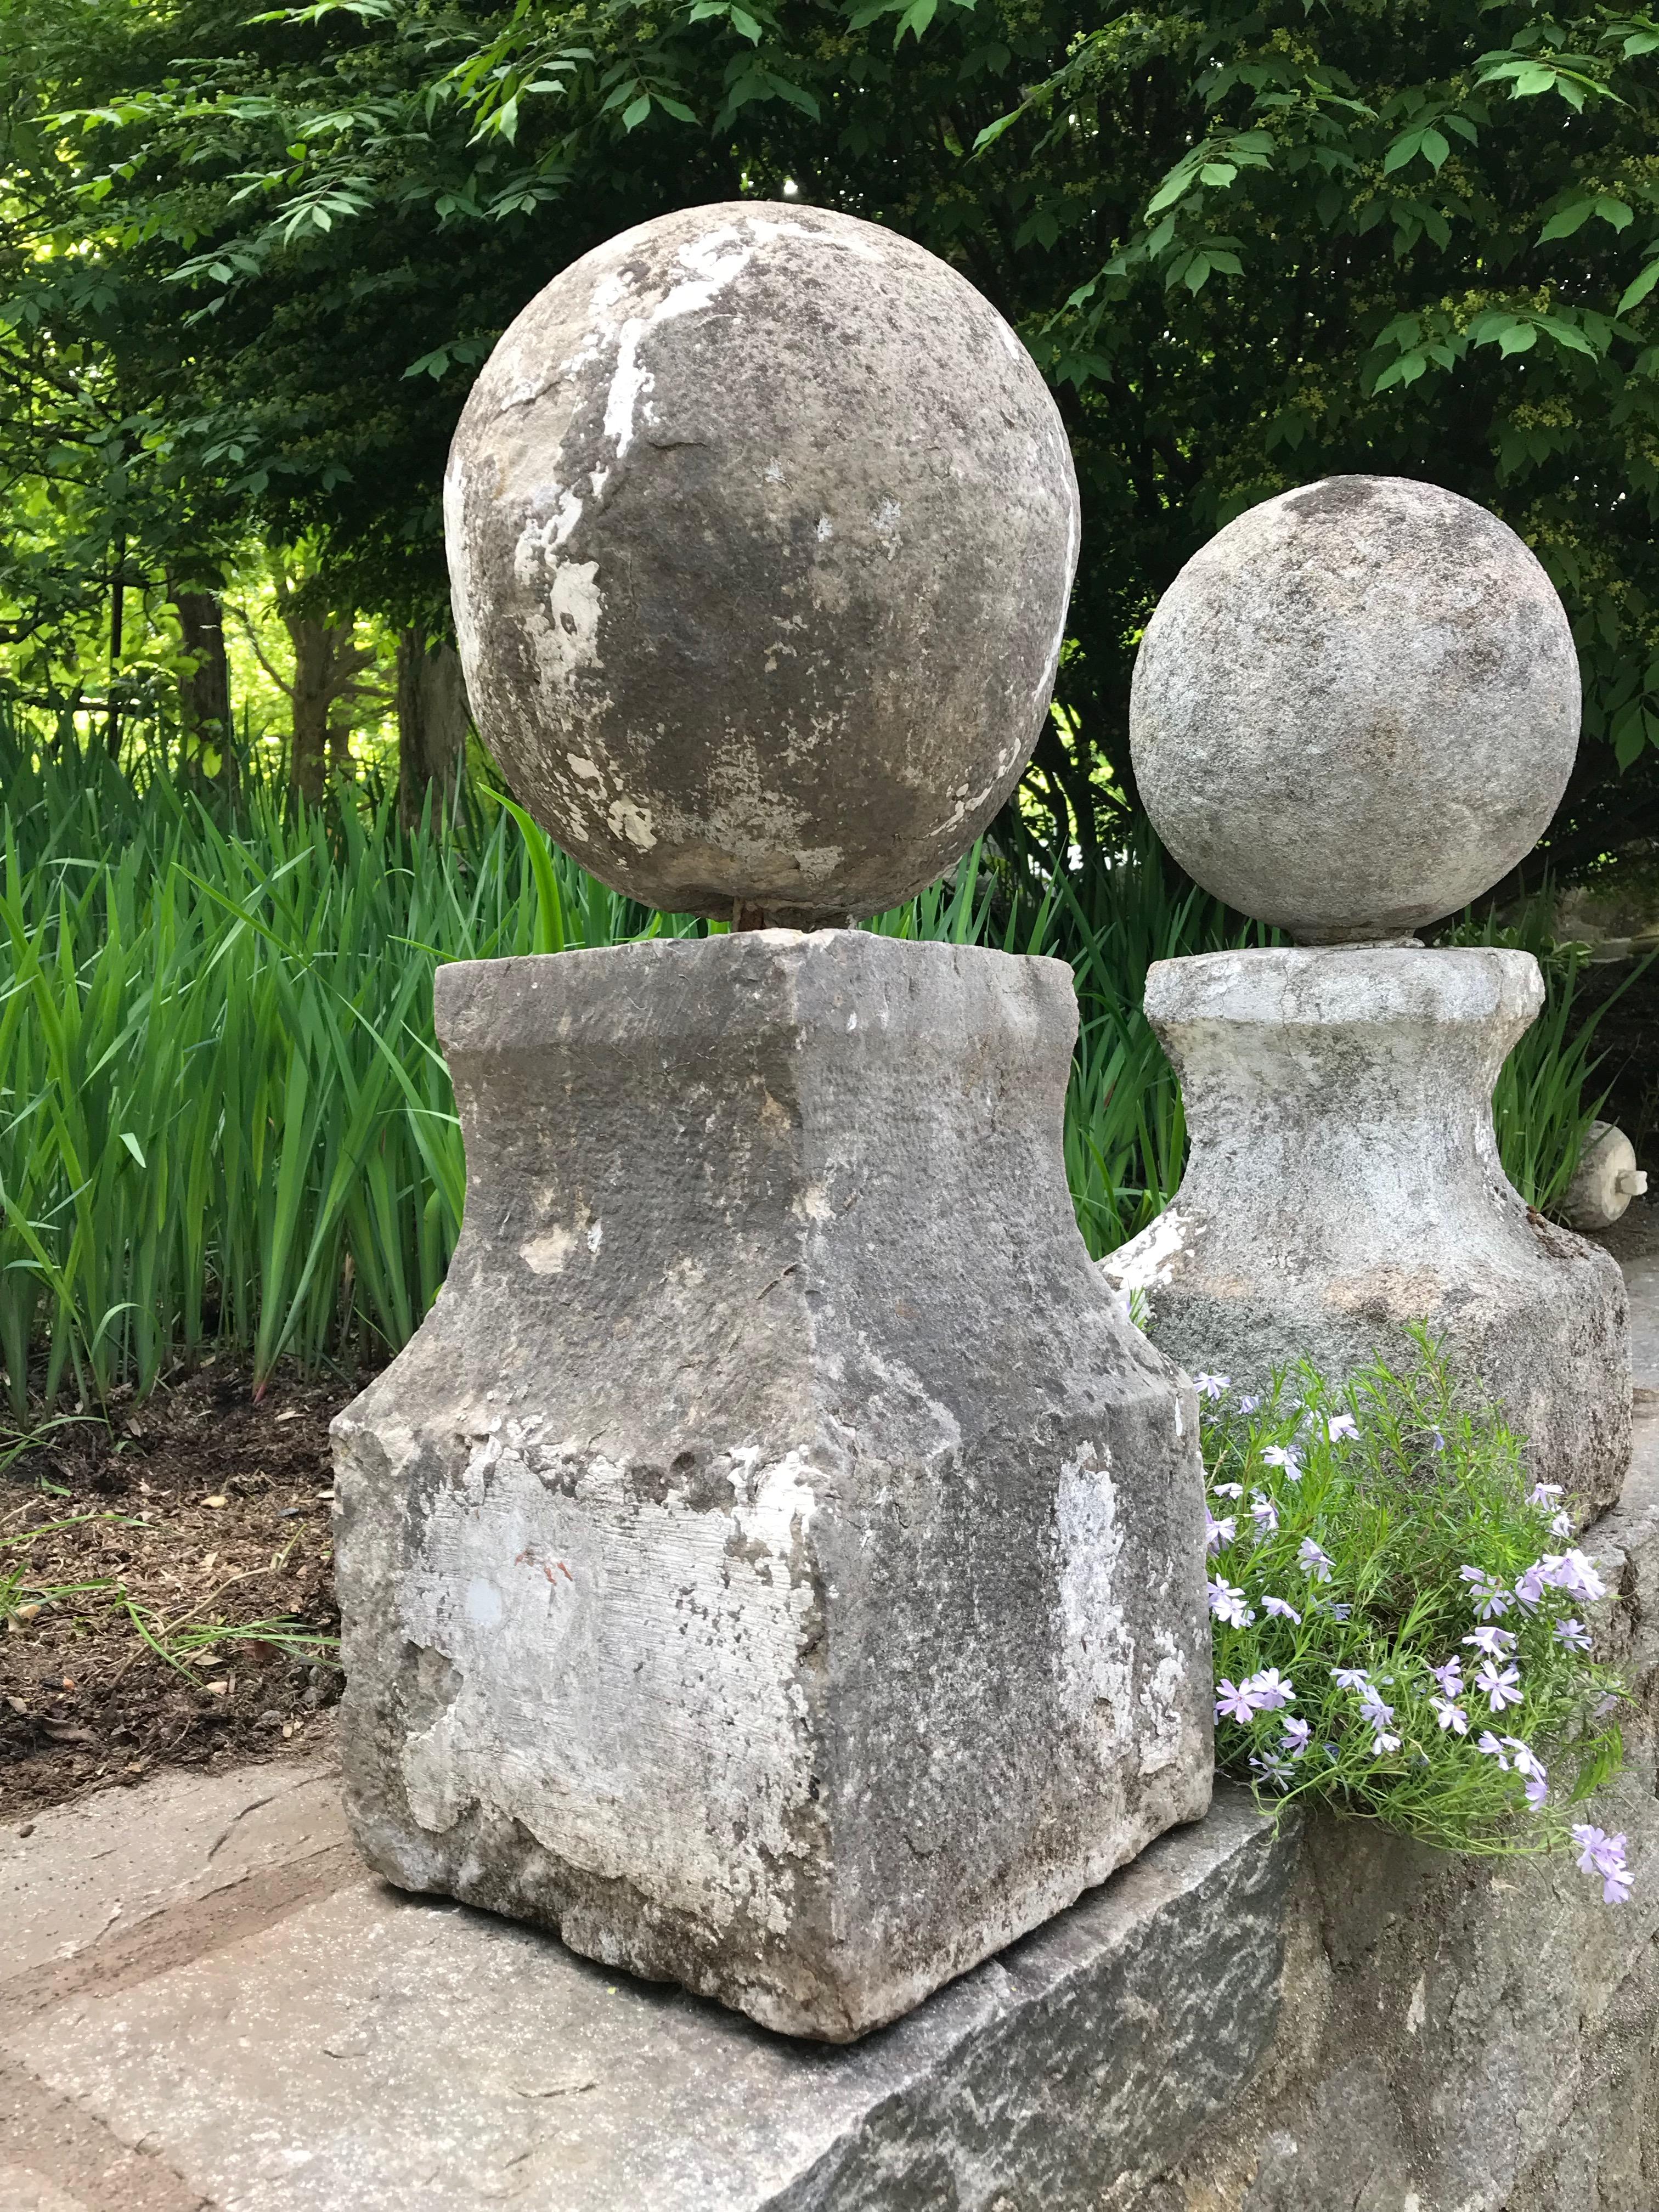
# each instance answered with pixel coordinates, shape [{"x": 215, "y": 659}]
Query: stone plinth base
[
  {"x": 367, "y": 2053},
  {"x": 1344, "y": 1182},
  {"x": 775, "y": 1564}
]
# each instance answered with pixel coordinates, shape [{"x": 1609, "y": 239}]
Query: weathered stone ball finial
[
  {"x": 1356, "y": 708},
  {"x": 762, "y": 526}
]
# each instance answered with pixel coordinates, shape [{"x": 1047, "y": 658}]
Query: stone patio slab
[{"x": 371, "y": 2052}]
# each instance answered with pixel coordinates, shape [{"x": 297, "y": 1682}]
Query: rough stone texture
[
  {"x": 371, "y": 2054},
  {"x": 1355, "y": 708},
  {"x": 97, "y": 1872},
  {"x": 762, "y": 525},
  {"x": 1344, "y": 1180},
  {"x": 1606, "y": 1179},
  {"x": 1460, "y": 2038},
  {"x": 775, "y": 1563}
]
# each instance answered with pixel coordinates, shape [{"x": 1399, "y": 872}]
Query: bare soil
[{"x": 183, "y": 1524}]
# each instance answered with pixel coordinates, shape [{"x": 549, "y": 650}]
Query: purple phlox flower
[
  {"x": 1383, "y": 1741},
  {"x": 1561, "y": 1525},
  {"x": 1531, "y": 1768},
  {"x": 1248, "y": 1405},
  {"x": 1578, "y": 1577},
  {"x": 1211, "y": 1386},
  {"x": 1281, "y": 1456},
  {"x": 1338, "y": 1611},
  {"x": 1217, "y": 1532},
  {"x": 1294, "y": 1742},
  {"x": 1264, "y": 1513},
  {"x": 1604, "y": 1705},
  {"x": 1228, "y": 1604},
  {"x": 1280, "y": 1611},
  {"x": 1450, "y": 1677},
  {"x": 1499, "y": 1689},
  {"x": 1529, "y": 1587},
  {"x": 1488, "y": 1743},
  {"x": 1573, "y": 1634},
  {"x": 1604, "y": 1855},
  {"x": 1341, "y": 1425},
  {"x": 1330, "y": 1752},
  {"x": 1236, "y": 1702},
  {"x": 1489, "y": 1598},
  {"x": 1491, "y": 1642},
  {"x": 1373, "y": 1710},
  {"x": 1228, "y": 1489},
  {"x": 1544, "y": 1493},
  {"x": 1439, "y": 1440},
  {"x": 1313, "y": 1562},
  {"x": 1271, "y": 1690},
  {"x": 1351, "y": 1678},
  {"x": 1450, "y": 1716},
  {"x": 1522, "y": 1757},
  {"x": 1275, "y": 1767}
]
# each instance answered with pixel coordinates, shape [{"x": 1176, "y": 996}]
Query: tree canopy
[{"x": 252, "y": 264}]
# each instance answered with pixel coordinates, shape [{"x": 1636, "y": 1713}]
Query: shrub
[{"x": 1400, "y": 1616}]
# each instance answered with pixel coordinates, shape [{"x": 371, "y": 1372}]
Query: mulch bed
[{"x": 201, "y": 1514}]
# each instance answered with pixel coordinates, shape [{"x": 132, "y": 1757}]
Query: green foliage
[
  {"x": 223, "y": 1115},
  {"x": 1429, "y": 1486},
  {"x": 1250, "y": 244}
]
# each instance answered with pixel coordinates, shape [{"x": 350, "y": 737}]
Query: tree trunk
[
  {"x": 432, "y": 723},
  {"x": 204, "y": 692},
  {"x": 314, "y": 647},
  {"x": 117, "y": 599}
]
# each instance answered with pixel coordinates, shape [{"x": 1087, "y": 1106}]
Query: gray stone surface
[
  {"x": 775, "y": 1564},
  {"x": 762, "y": 525},
  {"x": 1355, "y": 708},
  {"x": 1344, "y": 1182},
  {"x": 1456, "y": 2037},
  {"x": 370, "y": 2054},
  {"x": 89, "y": 1874},
  {"x": 1605, "y": 1179}
]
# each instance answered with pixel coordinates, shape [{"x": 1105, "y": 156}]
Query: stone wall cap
[{"x": 1341, "y": 986}]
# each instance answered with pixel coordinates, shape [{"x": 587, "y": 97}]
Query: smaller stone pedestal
[
  {"x": 1344, "y": 1180},
  {"x": 775, "y": 1564}
]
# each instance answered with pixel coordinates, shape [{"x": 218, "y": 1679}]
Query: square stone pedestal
[{"x": 775, "y": 1564}]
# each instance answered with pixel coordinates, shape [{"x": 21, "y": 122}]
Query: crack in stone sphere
[
  {"x": 762, "y": 525},
  {"x": 1356, "y": 708}
]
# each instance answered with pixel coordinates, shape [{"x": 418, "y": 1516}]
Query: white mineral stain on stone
[
  {"x": 826, "y": 529},
  {"x": 1096, "y": 1651},
  {"x": 623, "y": 1671},
  {"x": 885, "y": 522},
  {"x": 546, "y": 1254},
  {"x": 1150, "y": 1258},
  {"x": 1418, "y": 2010},
  {"x": 581, "y": 765},
  {"x": 625, "y": 819},
  {"x": 596, "y": 1236},
  {"x": 1160, "y": 1728},
  {"x": 713, "y": 260}
]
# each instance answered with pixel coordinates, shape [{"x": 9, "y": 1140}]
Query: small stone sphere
[
  {"x": 1355, "y": 709},
  {"x": 762, "y": 525}
]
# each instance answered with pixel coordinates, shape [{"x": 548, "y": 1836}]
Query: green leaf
[
  {"x": 1569, "y": 219},
  {"x": 1403, "y": 149},
  {"x": 131, "y": 1144},
  {"x": 1637, "y": 292},
  {"x": 1435, "y": 148},
  {"x": 636, "y": 111},
  {"x": 1520, "y": 338}
]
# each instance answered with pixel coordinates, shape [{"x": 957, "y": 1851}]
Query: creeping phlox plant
[{"x": 1400, "y": 1616}]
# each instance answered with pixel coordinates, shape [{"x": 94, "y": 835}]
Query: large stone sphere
[
  {"x": 762, "y": 524},
  {"x": 1356, "y": 708}
]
